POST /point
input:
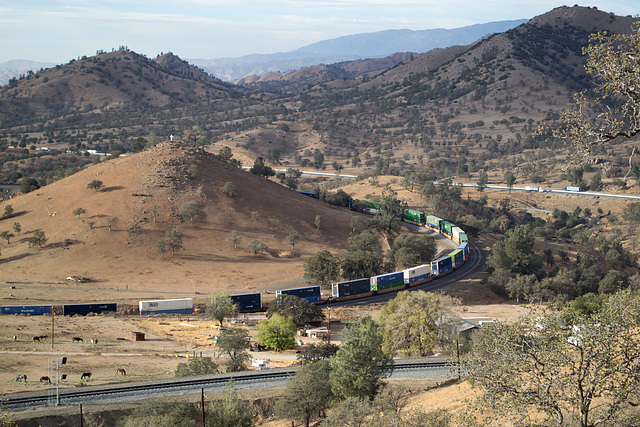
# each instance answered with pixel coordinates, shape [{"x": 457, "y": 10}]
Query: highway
[
  {"x": 546, "y": 190},
  {"x": 489, "y": 186}
]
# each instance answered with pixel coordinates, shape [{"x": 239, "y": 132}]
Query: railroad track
[{"x": 123, "y": 393}]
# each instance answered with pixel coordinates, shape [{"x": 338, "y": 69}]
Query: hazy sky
[{"x": 60, "y": 30}]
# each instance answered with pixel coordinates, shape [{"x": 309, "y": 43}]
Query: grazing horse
[
  {"x": 45, "y": 380},
  {"x": 21, "y": 377},
  {"x": 77, "y": 339},
  {"x": 43, "y": 337},
  {"x": 15, "y": 337},
  {"x": 36, "y": 339},
  {"x": 86, "y": 375},
  {"x": 121, "y": 371},
  {"x": 94, "y": 341}
]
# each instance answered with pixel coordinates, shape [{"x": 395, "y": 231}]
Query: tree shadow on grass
[
  {"x": 114, "y": 188},
  {"x": 15, "y": 215},
  {"x": 14, "y": 258}
]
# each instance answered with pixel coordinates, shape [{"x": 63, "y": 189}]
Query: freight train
[
  {"x": 340, "y": 291},
  {"x": 413, "y": 276}
]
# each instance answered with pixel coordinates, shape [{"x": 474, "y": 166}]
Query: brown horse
[
  {"x": 45, "y": 379},
  {"x": 121, "y": 371},
  {"x": 77, "y": 339}
]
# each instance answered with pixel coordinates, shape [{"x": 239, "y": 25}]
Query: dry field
[{"x": 167, "y": 341}]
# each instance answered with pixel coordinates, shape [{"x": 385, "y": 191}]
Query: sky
[{"x": 60, "y": 30}]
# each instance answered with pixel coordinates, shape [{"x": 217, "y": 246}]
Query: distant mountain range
[
  {"x": 358, "y": 46},
  {"x": 348, "y": 48},
  {"x": 17, "y": 67}
]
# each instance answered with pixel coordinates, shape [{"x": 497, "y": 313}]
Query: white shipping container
[
  {"x": 457, "y": 231},
  {"x": 420, "y": 270},
  {"x": 167, "y": 305}
]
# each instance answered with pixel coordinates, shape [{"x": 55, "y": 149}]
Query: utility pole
[
  {"x": 329, "y": 327},
  {"x": 52, "y": 327},
  {"x": 59, "y": 362},
  {"x": 203, "y": 411}
]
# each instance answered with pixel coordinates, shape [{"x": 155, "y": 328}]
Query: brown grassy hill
[
  {"x": 108, "y": 80},
  {"x": 125, "y": 258}
]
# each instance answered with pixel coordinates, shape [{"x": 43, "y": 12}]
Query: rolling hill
[{"x": 126, "y": 256}]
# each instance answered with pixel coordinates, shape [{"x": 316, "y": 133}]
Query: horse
[
  {"x": 86, "y": 375},
  {"x": 21, "y": 377},
  {"x": 94, "y": 341},
  {"x": 36, "y": 339},
  {"x": 121, "y": 371},
  {"x": 77, "y": 339},
  {"x": 43, "y": 337},
  {"x": 45, "y": 379}
]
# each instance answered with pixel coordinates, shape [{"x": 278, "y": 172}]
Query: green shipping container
[
  {"x": 446, "y": 226},
  {"x": 456, "y": 256},
  {"x": 414, "y": 216},
  {"x": 464, "y": 238}
]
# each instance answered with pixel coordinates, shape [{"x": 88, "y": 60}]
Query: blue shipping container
[
  {"x": 465, "y": 249},
  {"x": 350, "y": 287},
  {"x": 31, "y": 310},
  {"x": 310, "y": 293},
  {"x": 247, "y": 302},
  {"x": 441, "y": 265},
  {"x": 84, "y": 309},
  {"x": 417, "y": 274}
]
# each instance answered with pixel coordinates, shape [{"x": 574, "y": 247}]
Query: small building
[
  {"x": 317, "y": 333},
  {"x": 137, "y": 336},
  {"x": 260, "y": 363}
]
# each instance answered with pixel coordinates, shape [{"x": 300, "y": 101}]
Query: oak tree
[
  {"x": 221, "y": 306},
  {"x": 360, "y": 364},
  {"x": 581, "y": 365}
]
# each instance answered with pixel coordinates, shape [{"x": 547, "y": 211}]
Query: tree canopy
[
  {"x": 321, "y": 268},
  {"x": 585, "y": 370},
  {"x": 514, "y": 252},
  {"x": 277, "y": 332},
  {"x": 614, "y": 62},
  {"x": 234, "y": 343},
  {"x": 260, "y": 169},
  {"x": 360, "y": 364},
  {"x": 307, "y": 393},
  {"x": 417, "y": 322},
  {"x": 409, "y": 250},
  {"x": 221, "y": 306},
  {"x": 298, "y": 310}
]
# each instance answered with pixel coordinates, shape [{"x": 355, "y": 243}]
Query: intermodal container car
[
  {"x": 310, "y": 293},
  {"x": 351, "y": 289},
  {"x": 441, "y": 266},
  {"x": 456, "y": 232},
  {"x": 464, "y": 246},
  {"x": 84, "y": 309},
  {"x": 414, "y": 217},
  {"x": 167, "y": 306},
  {"x": 31, "y": 310},
  {"x": 446, "y": 227},
  {"x": 417, "y": 275},
  {"x": 387, "y": 282},
  {"x": 433, "y": 222},
  {"x": 457, "y": 258},
  {"x": 247, "y": 302},
  {"x": 464, "y": 238}
]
